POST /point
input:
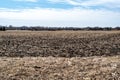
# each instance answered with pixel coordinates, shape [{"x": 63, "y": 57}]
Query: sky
[{"x": 60, "y": 13}]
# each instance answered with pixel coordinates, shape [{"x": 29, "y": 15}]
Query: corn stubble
[{"x": 60, "y": 55}]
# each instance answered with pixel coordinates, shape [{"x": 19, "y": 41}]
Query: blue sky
[
  {"x": 78, "y": 13},
  {"x": 17, "y": 4}
]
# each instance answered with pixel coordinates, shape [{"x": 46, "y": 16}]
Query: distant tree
[
  {"x": 117, "y": 28},
  {"x": 2, "y": 28},
  {"x": 108, "y": 28},
  {"x": 23, "y": 28}
]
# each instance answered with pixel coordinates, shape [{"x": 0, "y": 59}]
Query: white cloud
[
  {"x": 88, "y": 3},
  {"x": 59, "y": 17},
  {"x": 26, "y": 0}
]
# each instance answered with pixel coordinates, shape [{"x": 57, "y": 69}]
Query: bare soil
[{"x": 59, "y": 43}]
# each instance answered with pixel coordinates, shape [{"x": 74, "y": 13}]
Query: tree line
[{"x": 42, "y": 28}]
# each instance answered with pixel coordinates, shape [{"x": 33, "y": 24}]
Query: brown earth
[{"x": 59, "y": 43}]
